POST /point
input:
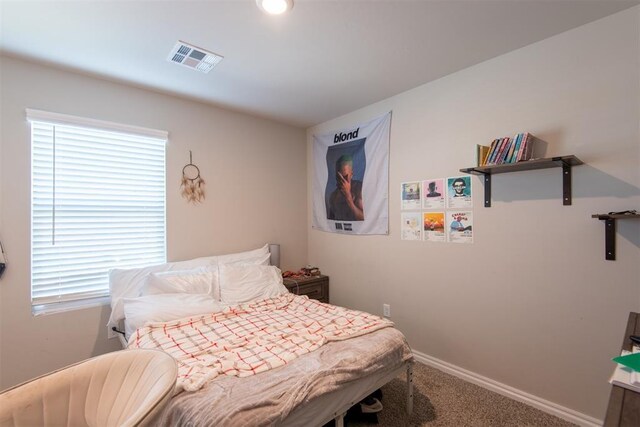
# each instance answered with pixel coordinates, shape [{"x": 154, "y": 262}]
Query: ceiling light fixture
[{"x": 275, "y": 7}]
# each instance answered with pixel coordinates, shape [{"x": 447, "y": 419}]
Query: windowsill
[{"x": 61, "y": 307}]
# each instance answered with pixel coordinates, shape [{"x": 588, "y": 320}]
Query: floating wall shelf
[
  {"x": 610, "y": 231},
  {"x": 564, "y": 162}
]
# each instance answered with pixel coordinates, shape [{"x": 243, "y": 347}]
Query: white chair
[{"x": 123, "y": 388}]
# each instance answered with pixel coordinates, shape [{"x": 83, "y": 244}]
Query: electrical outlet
[{"x": 386, "y": 310}]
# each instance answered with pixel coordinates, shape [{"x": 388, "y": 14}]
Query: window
[{"x": 97, "y": 203}]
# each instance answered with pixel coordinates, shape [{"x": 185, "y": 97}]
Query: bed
[{"x": 250, "y": 354}]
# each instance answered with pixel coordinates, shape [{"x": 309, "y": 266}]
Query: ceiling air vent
[{"x": 193, "y": 57}]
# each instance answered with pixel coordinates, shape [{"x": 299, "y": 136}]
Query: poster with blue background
[{"x": 351, "y": 179}]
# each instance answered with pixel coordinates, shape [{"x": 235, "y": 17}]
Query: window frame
[{"x": 57, "y": 119}]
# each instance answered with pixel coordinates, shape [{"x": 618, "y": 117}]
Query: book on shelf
[
  {"x": 481, "y": 154},
  {"x": 526, "y": 146},
  {"x": 495, "y": 151},
  {"x": 512, "y": 146},
  {"x": 503, "y": 150},
  {"x": 523, "y": 147},
  {"x": 530, "y": 148},
  {"x": 500, "y": 150},
  {"x": 495, "y": 145},
  {"x": 516, "y": 147},
  {"x": 509, "y": 150}
]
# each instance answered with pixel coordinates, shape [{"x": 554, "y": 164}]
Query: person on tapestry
[{"x": 345, "y": 202}]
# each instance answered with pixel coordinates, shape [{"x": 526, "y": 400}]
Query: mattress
[{"x": 303, "y": 392}]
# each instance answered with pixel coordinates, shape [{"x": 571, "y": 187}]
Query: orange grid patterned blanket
[{"x": 250, "y": 338}]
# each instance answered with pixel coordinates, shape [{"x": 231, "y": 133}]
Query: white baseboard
[{"x": 513, "y": 393}]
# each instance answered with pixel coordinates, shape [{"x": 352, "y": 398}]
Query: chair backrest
[{"x": 123, "y": 388}]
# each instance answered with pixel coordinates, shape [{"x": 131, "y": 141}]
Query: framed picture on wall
[
  {"x": 433, "y": 193},
  {"x": 459, "y": 192},
  {"x": 410, "y": 195}
]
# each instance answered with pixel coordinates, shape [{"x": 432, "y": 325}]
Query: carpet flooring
[{"x": 441, "y": 399}]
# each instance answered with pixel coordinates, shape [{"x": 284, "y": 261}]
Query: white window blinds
[{"x": 98, "y": 202}]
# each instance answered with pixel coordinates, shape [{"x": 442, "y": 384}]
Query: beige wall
[
  {"x": 2, "y": 281},
  {"x": 532, "y": 303},
  {"x": 255, "y": 194}
]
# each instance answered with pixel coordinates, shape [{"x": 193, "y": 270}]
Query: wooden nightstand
[{"x": 315, "y": 287}]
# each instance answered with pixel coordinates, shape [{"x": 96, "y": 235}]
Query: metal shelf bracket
[
  {"x": 610, "y": 239},
  {"x": 566, "y": 184},
  {"x": 487, "y": 190}
]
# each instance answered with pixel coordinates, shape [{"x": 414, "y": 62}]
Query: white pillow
[
  {"x": 125, "y": 283},
  {"x": 165, "y": 307},
  {"x": 203, "y": 280},
  {"x": 224, "y": 259},
  {"x": 256, "y": 260},
  {"x": 259, "y": 260},
  {"x": 128, "y": 282},
  {"x": 198, "y": 281},
  {"x": 244, "y": 283}
]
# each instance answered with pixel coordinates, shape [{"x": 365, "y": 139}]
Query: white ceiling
[{"x": 321, "y": 60}]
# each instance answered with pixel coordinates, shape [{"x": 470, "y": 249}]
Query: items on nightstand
[
  {"x": 307, "y": 271},
  {"x": 311, "y": 271},
  {"x": 292, "y": 274}
]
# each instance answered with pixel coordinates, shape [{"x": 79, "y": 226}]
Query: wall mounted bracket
[
  {"x": 565, "y": 162},
  {"x": 610, "y": 231}
]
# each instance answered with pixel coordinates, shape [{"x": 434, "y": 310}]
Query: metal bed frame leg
[
  {"x": 339, "y": 420},
  {"x": 409, "y": 388}
]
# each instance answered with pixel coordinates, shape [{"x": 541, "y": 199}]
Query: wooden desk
[{"x": 624, "y": 405}]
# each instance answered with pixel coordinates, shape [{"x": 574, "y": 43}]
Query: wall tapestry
[{"x": 351, "y": 179}]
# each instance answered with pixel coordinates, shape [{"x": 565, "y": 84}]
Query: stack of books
[
  {"x": 506, "y": 150},
  {"x": 627, "y": 372}
]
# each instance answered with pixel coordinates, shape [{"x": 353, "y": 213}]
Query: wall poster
[
  {"x": 460, "y": 226},
  {"x": 459, "y": 194},
  {"x": 411, "y": 226},
  {"x": 433, "y": 223},
  {"x": 433, "y": 193},
  {"x": 351, "y": 179},
  {"x": 410, "y": 195}
]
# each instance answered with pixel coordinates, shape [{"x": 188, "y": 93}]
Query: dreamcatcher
[{"x": 192, "y": 185}]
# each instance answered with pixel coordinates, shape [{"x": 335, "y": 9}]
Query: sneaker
[{"x": 370, "y": 406}]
